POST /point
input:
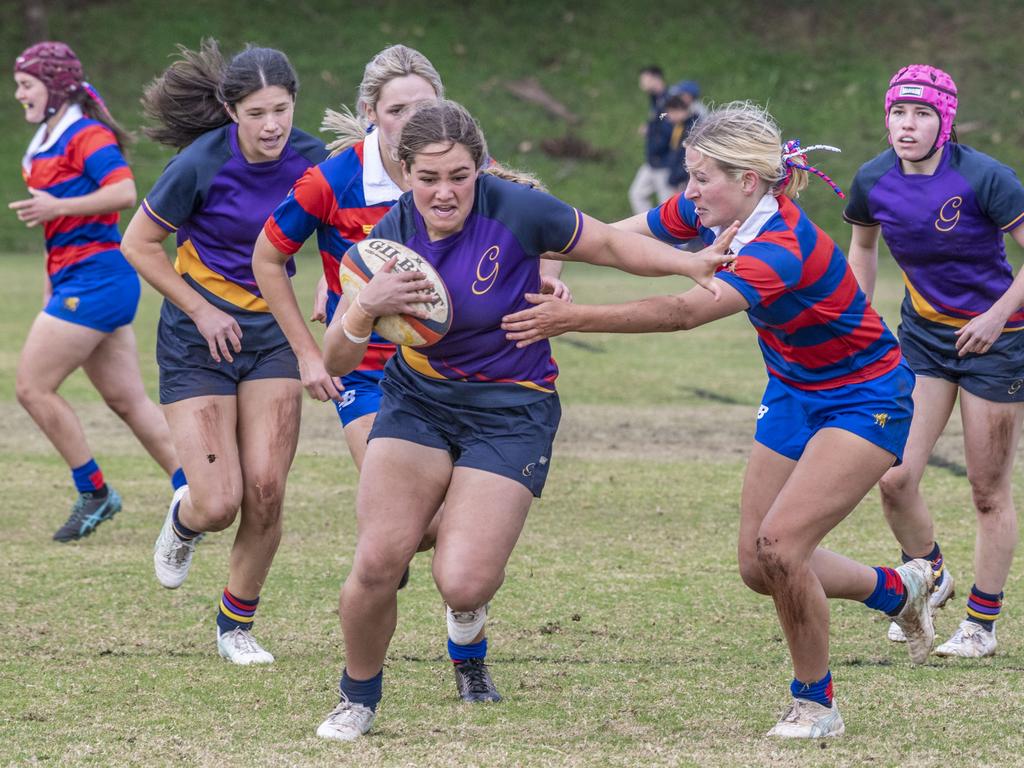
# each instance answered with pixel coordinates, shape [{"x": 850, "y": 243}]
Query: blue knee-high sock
[
  {"x": 819, "y": 692},
  {"x": 460, "y": 653},
  {"x": 889, "y": 595},
  {"x": 178, "y": 479},
  {"x": 88, "y": 478},
  {"x": 365, "y": 692}
]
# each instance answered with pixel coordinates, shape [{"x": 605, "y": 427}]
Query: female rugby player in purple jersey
[
  {"x": 944, "y": 209},
  {"x": 229, "y": 381},
  {"x": 469, "y": 421},
  {"x": 341, "y": 199},
  {"x": 78, "y": 180},
  {"x": 837, "y": 408}
]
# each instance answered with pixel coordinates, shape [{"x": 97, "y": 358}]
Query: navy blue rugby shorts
[
  {"x": 187, "y": 370},
  {"x": 996, "y": 376},
  {"x": 511, "y": 441}
]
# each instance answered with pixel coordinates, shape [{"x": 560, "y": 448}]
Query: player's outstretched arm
[
  {"x": 605, "y": 245},
  {"x": 684, "y": 311}
]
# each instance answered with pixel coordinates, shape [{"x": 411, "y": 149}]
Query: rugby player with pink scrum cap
[{"x": 944, "y": 209}]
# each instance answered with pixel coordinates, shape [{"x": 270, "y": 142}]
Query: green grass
[{"x": 623, "y": 635}]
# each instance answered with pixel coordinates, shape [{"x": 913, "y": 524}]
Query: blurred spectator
[
  {"x": 652, "y": 177},
  {"x": 680, "y": 117}
]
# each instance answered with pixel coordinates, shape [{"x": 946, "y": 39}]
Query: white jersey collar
[
  {"x": 43, "y": 141},
  {"x": 767, "y": 207},
  {"x": 378, "y": 187}
]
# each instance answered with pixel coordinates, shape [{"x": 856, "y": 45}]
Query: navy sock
[
  {"x": 182, "y": 531},
  {"x": 365, "y": 692},
  {"x": 178, "y": 479},
  {"x": 235, "y": 613},
  {"x": 889, "y": 595},
  {"x": 983, "y": 608},
  {"x": 88, "y": 478},
  {"x": 819, "y": 692},
  {"x": 460, "y": 653},
  {"x": 934, "y": 557}
]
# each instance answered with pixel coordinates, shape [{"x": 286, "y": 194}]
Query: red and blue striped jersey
[
  {"x": 76, "y": 158},
  {"x": 341, "y": 199},
  {"x": 815, "y": 326}
]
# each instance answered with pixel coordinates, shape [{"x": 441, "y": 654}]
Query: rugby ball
[{"x": 365, "y": 258}]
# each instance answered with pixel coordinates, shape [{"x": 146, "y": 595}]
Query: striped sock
[
  {"x": 935, "y": 557},
  {"x": 819, "y": 692},
  {"x": 178, "y": 479},
  {"x": 235, "y": 613},
  {"x": 460, "y": 653},
  {"x": 365, "y": 692},
  {"x": 88, "y": 478},
  {"x": 181, "y": 530},
  {"x": 983, "y": 608},
  {"x": 889, "y": 595}
]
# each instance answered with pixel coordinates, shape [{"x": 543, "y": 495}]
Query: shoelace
[
  {"x": 475, "y": 672},
  {"x": 179, "y": 549},
  {"x": 347, "y": 713},
  {"x": 793, "y": 713},
  {"x": 245, "y": 641}
]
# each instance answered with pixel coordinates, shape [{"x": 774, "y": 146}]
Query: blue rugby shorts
[{"x": 879, "y": 411}]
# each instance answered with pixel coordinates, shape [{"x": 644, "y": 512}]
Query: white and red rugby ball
[{"x": 364, "y": 259}]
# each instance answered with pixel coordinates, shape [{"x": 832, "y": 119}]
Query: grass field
[{"x": 623, "y": 635}]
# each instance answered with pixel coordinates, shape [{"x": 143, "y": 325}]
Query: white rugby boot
[
  {"x": 941, "y": 595},
  {"x": 970, "y": 641},
  {"x": 347, "y": 721},
  {"x": 239, "y": 647},
  {"x": 809, "y": 720},
  {"x": 915, "y": 619},
  {"x": 172, "y": 557}
]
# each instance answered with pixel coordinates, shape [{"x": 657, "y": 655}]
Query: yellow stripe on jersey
[
  {"x": 157, "y": 216},
  {"x": 1013, "y": 223},
  {"x": 189, "y": 263},
  {"x": 419, "y": 363},
  {"x": 928, "y": 312},
  {"x": 579, "y": 223}
]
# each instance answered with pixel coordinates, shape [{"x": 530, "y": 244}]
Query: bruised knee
[{"x": 775, "y": 567}]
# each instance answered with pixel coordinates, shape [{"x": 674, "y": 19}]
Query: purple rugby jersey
[
  {"x": 945, "y": 230},
  {"x": 217, "y": 202},
  {"x": 487, "y": 267}
]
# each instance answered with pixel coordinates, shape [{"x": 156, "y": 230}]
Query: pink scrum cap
[{"x": 923, "y": 84}]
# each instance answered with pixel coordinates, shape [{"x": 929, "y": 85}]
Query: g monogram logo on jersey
[
  {"x": 486, "y": 271},
  {"x": 949, "y": 214}
]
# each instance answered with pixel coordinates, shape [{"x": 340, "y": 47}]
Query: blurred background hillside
[{"x": 821, "y": 68}]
